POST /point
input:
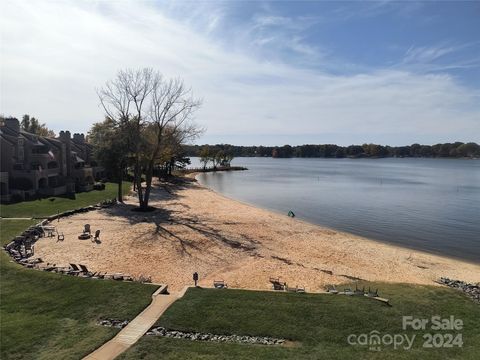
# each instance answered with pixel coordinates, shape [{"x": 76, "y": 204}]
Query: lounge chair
[
  {"x": 348, "y": 291},
  {"x": 68, "y": 270},
  {"x": 332, "y": 290},
  {"x": 48, "y": 267},
  {"x": 277, "y": 285},
  {"x": 219, "y": 284},
  {"x": 143, "y": 279},
  {"x": 60, "y": 236},
  {"x": 359, "y": 292},
  {"x": 296, "y": 289},
  {"x": 30, "y": 263},
  {"x": 85, "y": 271},
  {"x": 117, "y": 276},
  {"x": 371, "y": 293}
]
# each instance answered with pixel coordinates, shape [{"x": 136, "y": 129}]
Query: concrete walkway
[{"x": 131, "y": 333}]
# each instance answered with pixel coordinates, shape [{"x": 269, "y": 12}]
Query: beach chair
[
  {"x": 359, "y": 292},
  {"x": 219, "y": 284},
  {"x": 127, "y": 278},
  {"x": 117, "y": 276},
  {"x": 29, "y": 249},
  {"x": 277, "y": 285},
  {"x": 348, "y": 292},
  {"x": 332, "y": 289},
  {"x": 97, "y": 235},
  {"x": 85, "y": 271},
  {"x": 86, "y": 229},
  {"x": 46, "y": 267},
  {"x": 30, "y": 263},
  {"x": 143, "y": 279},
  {"x": 75, "y": 270},
  {"x": 68, "y": 270},
  {"x": 372, "y": 293},
  {"x": 60, "y": 236}
]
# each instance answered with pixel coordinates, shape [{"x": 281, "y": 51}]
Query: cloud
[
  {"x": 54, "y": 54},
  {"x": 427, "y": 54}
]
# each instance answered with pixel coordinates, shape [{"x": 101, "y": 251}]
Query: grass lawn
[
  {"x": 320, "y": 324},
  {"x": 53, "y": 205},
  {"x": 52, "y": 316}
]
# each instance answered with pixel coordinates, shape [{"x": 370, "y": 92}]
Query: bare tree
[{"x": 146, "y": 104}]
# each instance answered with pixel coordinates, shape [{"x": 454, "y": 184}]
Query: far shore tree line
[
  {"x": 216, "y": 156},
  {"x": 446, "y": 150}
]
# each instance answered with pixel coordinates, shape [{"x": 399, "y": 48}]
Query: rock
[
  {"x": 471, "y": 290},
  {"x": 196, "y": 336}
]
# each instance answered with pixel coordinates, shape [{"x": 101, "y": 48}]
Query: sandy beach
[{"x": 198, "y": 230}]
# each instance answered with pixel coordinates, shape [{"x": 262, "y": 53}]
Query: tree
[
  {"x": 110, "y": 144},
  {"x": 31, "y": 125},
  {"x": 205, "y": 156},
  {"x": 153, "y": 107}
]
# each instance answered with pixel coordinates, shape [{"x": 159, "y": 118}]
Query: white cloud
[
  {"x": 427, "y": 53},
  {"x": 54, "y": 54}
]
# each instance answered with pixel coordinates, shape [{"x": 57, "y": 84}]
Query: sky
[{"x": 269, "y": 73}]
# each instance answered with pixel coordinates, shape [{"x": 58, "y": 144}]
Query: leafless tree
[{"x": 151, "y": 108}]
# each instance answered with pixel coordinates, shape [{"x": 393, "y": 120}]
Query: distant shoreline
[
  {"x": 446, "y": 150},
  {"x": 211, "y": 169}
]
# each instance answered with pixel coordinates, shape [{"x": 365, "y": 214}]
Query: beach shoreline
[{"x": 196, "y": 229}]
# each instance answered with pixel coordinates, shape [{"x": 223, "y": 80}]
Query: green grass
[
  {"x": 52, "y": 316},
  {"x": 320, "y": 324},
  {"x": 50, "y": 206}
]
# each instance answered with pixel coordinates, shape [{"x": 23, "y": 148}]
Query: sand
[{"x": 198, "y": 230}]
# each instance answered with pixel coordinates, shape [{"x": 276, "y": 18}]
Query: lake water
[{"x": 426, "y": 204}]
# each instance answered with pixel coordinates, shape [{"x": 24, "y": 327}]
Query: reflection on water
[{"x": 427, "y": 204}]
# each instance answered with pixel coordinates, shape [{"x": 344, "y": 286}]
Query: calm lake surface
[{"x": 426, "y": 204}]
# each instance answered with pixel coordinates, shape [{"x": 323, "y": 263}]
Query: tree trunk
[
  {"x": 120, "y": 190},
  {"x": 138, "y": 181},
  {"x": 148, "y": 188}
]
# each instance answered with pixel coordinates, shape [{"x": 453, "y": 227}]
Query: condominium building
[{"x": 33, "y": 165}]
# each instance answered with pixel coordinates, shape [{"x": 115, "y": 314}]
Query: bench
[{"x": 219, "y": 284}]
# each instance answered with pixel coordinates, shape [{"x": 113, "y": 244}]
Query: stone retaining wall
[{"x": 196, "y": 336}]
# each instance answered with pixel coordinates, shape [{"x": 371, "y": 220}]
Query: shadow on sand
[{"x": 171, "y": 191}]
